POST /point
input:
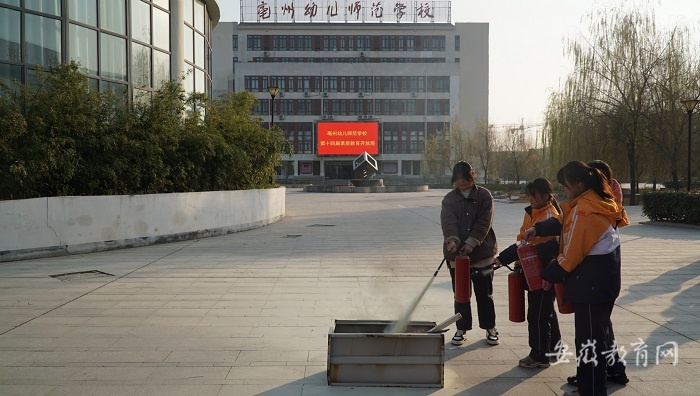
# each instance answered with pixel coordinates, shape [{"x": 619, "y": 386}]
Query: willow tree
[
  {"x": 613, "y": 70},
  {"x": 676, "y": 78}
]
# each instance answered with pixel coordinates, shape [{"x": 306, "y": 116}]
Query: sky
[{"x": 526, "y": 43}]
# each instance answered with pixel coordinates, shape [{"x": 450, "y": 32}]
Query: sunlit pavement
[{"x": 249, "y": 313}]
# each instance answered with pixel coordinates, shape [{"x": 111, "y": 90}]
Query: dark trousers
[
  {"x": 592, "y": 325},
  {"x": 542, "y": 324},
  {"x": 482, "y": 284}
]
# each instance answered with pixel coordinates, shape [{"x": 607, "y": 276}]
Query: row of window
[
  {"x": 313, "y": 168},
  {"x": 257, "y": 42},
  {"x": 97, "y": 37},
  {"x": 395, "y": 137},
  {"x": 283, "y": 59},
  {"x": 354, "y": 107},
  {"x": 334, "y": 84}
]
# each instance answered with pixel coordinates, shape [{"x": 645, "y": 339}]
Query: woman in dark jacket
[{"x": 466, "y": 218}]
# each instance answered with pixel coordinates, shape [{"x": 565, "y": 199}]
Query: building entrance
[{"x": 338, "y": 169}]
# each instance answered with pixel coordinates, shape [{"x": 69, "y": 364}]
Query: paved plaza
[{"x": 249, "y": 313}]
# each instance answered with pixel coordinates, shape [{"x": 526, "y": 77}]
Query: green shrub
[
  {"x": 677, "y": 207},
  {"x": 59, "y": 138}
]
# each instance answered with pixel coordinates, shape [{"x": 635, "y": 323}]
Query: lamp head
[
  {"x": 273, "y": 90},
  {"x": 690, "y": 104}
]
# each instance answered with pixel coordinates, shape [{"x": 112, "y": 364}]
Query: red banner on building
[{"x": 348, "y": 138}]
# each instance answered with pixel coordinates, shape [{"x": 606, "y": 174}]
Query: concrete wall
[{"x": 41, "y": 227}]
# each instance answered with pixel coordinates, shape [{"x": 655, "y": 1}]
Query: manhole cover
[
  {"x": 291, "y": 236},
  {"x": 71, "y": 276},
  {"x": 321, "y": 225}
]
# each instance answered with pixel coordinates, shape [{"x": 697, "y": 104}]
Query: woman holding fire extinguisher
[
  {"x": 466, "y": 219},
  {"x": 588, "y": 263},
  {"x": 542, "y": 322}
]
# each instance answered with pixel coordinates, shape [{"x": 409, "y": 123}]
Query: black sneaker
[
  {"x": 618, "y": 378},
  {"x": 459, "y": 337},
  {"x": 492, "y": 336}
]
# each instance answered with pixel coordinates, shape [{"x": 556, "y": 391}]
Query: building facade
[
  {"x": 122, "y": 45},
  {"x": 412, "y": 78}
]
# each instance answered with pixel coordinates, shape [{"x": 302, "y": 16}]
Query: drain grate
[
  {"x": 71, "y": 276},
  {"x": 321, "y": 225},
  {"x": 291, "y": 236}
]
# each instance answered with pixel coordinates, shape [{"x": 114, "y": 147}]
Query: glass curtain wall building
[{"x": 124, "y": 45}]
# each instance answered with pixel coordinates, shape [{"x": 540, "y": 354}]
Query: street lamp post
[
  {"x": 273, "y": 92},
  {"x": 690, "y": 105}
]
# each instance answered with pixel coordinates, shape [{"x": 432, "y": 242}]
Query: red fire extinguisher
[
  {"x": 516, "y": 296},
  {"x": 532, "y": 267},
  {"x": 462, "y": 279},
  {"x": 565, "y": 307}
]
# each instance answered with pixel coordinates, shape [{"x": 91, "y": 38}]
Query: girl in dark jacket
[
  {"x": 589, "y": 265},
  {"x": 466, "y": 218},
  {"x": 542, "y": 322}
]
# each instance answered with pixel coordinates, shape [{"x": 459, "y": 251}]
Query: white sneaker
[
  {"x": 492, "y": 336},
  {"x": 459, "y": 337}
]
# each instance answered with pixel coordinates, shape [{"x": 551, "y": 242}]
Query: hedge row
[
  {"x": 60, "y": 138},
  {"x": 677, "y": 207}
]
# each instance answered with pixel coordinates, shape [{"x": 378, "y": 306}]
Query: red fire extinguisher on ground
[
  {"x": 565, "y": 307},
  {"x": 532, "y": 267},
  {"x": 516, "y": 296},
  {"x": 462, "y": 279}
]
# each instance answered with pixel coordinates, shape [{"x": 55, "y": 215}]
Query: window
[
  {"x": 438, "y": 43},
  {"x": 10, "y": 35},
  {"x": 84, "y": 11},
  {"x": 161, "y": 33},
  {"x": 162, "y": 3},
  {"x": 410, "y": 168},
  {"x": 199, "y": 15},
  {"x": 52, "y": 7},
  {"x": 234, "y": 40},
  {"x": 141, "y": 65},
  {"x": 187, "y": 10},
  {"x": 112, "y": 57},
  {"x": 113, "y": 16},
  {"x": 255, "y": 42},
  {"x": 199, "y": 50},
  {"x": 161, "y": 68},
  {"x": 141, "y": 21},
  {"x": 10, "y": 72},
  {"x": 200, "y": 81},
  {"x": 409, "y": 43},
  {"x": 83, "y": 47},
  {"x": 457, "y": 43},
  {"x": 42, "y": 40},
  {"x": 189, "y": 44},
  {"x": 390, "y": 168}
]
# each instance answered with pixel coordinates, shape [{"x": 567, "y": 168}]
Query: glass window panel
[
  {"x": 161, "y": 68},
  {"x": 199, "y": 50},
  {"x": 162, "y": 3},
  {"x": 189, "y": 82},
  {"x": 10, "y": 35},
  {"x": 10, "y": 2},
  {"x": 82, "y": 43},
  {"x": 199, "y": 79},
  {"x": 187, "y": 8},
  {"x": 118, "y": 89},
  {"x": 113, "y": 57},
  {"x": 84, "y": 11},
  {"x": 113, "y": 16},
  {"x": 141, "y": 65},
  {"x": 161, "y": 29},
  {"x": 189, "y": 44},
  {"x": 93, "y": 84},
  {"x": 141, "y": 21},
  {"x": 199, "y": 15},
  {"x": 43, "y": 40},
  {"x": 10, "y": 72},
  {"x": 52, "y": 7}
]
